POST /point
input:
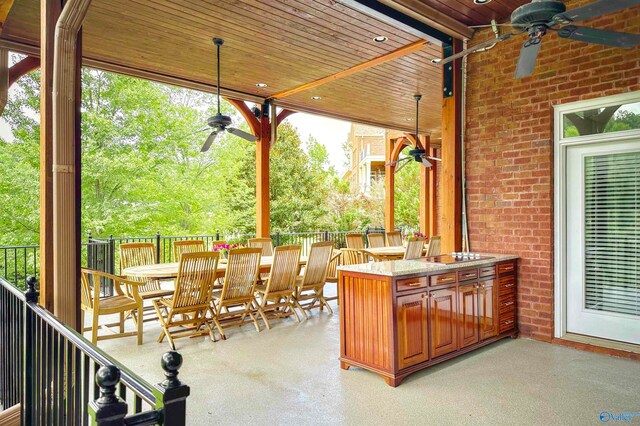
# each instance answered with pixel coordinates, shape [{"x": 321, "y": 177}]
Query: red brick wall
[{"x": 509, "y": 137}]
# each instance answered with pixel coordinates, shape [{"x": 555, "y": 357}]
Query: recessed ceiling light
[
  {"x": 316, "y": 98},
  {"x": 481, "y": 1},
  {"x": 436, "y": 60},
  {"x": 261, "y": 84},
  {"x": 409, "y": 119},
  {"x": 380, "y": 39}
]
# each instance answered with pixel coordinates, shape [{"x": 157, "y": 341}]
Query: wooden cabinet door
[
  {"x": 413, "y": 341},
  {"x": 468, "y": 331},
  {"x": 488, "y": 309},
  {"x": 442, "y": 312}
]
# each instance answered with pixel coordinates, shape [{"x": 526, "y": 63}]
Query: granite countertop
[{"x": 396, "y": 268}]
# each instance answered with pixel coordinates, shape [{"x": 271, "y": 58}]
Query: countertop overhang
[{"x": 394, "y": 268}]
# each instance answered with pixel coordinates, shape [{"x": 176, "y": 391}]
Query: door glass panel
[
  {"x": 609, "y": 119},
  {"x": 612, "y": 233}
]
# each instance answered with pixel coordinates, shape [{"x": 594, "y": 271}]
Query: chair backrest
[
  {"x": 196, "y": 275},
  {"x": 263, "y": 243},
  {"x": 137, "y": 254},
  {"x": 354, "y": 241},
  {"x": 86, "y": 290},
  {"x": 90, "y": 281},
  {"x": 212, "y": 244},
  {"x": 394, "y": 239},
  {"x": 317, "y": 263},
  {"x": 352, "y": 256},
  {"x": 242, "y": 273},
  {"x": 434, "y": 246},
  {"x": 415, "y": 247},
  {"x": 186, "y": 246},
  {"x": 334, "y": 262},
  {"x": 376, "y": 240},
  {"x": 286, "y": 263}
]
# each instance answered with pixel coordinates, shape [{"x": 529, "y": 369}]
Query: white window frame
[{"x": 559, "y": 185}]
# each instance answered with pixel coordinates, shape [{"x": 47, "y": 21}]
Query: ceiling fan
[
  {"x": 221, "y": 122},
  {"x": 540, "y": 16},
  {"x": 416, "y": 154}
]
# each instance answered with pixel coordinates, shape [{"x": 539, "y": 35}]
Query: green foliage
[{"x": 407, "y": 196}]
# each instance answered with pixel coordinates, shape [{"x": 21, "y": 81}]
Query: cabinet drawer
[
  {"x": 507, "y": 285},
  {"x": 411, "y": 283},
  {"x": 449, "y": 278},
  {"x": 506, "y": 268},
  {"x": 507, "y": 303},
  {"x": 487, "y": 271},
  {"x": 467, "y": 274},
  {"x": 507, "y": 322}
]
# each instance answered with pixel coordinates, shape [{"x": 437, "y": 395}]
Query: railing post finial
[
  {"x": 171, "y": 362},
  {"x": 108, "y": 409},
  {"x": 31, "y": 294}
]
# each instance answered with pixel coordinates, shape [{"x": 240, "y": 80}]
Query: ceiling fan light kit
[
  {"x": 541, "y": 16},
  {"x": 220, "y": 122}
]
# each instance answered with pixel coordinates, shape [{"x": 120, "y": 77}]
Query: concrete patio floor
[{"x": 291, "y": 375}]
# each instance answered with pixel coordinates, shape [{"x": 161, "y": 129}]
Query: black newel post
[
  {"x": 326, "y": 235},
  {"x": 174, "y": 392},
  {"x": 31, "y": 296},
  {"x": 217, "y": 235},
  {"x": 108, "y": 409},
  {"x": 112, "y": 255},
  {"x": 277, "y": 238},
  {"x": 158, "y": 260}
]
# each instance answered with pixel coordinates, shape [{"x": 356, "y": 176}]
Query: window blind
[{"x": 612, "y": 233}]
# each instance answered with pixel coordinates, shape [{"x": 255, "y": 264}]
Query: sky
[{"x": 329, "y": 132}]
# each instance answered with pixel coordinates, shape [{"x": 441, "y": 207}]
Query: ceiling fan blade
[
  {"x": 593, "y": 10},
  {"x": 426, "y": 162},
  {"x": 242, "y": 134},
  {"x": 402, "y": 165},
  {"x": 393, "y": 163},
  {"x": 209, "y": 141},
  {"x": 432, "y": 158},
  {"x": 592, "y": 35},
  {"x": 476, "y": 47},
  {"x": 527, "y": 59}
]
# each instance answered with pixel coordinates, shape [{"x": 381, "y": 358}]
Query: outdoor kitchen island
[{"x": 401, "y": 316}]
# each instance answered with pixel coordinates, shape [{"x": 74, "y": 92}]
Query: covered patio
[{"x": 509, "y": 168}]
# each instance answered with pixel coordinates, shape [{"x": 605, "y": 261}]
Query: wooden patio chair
[
  {"x": 266, "y": 244},
  {"x": 352, "y": 256},
  {"x": 233, "y": 303},
  {"x": 125, "y": 301},
  {"x": 376, "y": 240},
  {"x": 394, "y": 239},
  {"x": 275, "y": 298},
  {"x": 186, "y": 246},
  {"x": 434, "y": 246},
  {"x": 354, "y": 241},
  {"x": 415, "y": 248},
  {"x": 332, "y": 272},
  {"x": 138, "y": 254},
  {"x": 309, "y": 287},
  {"x": 185, "y": 314}
]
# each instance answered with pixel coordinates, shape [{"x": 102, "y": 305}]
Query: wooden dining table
[
  {"x": 388, "y": 253},
  {"x": 170, "y": 270}
]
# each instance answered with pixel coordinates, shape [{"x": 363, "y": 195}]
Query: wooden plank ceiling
[
  {"x": 282, "y": 43},
  {"x": 469, "y": 13}
]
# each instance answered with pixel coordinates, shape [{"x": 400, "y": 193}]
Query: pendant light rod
[
  {"x": 417, "y": 98},
  {"x": 218, "y": 42}
]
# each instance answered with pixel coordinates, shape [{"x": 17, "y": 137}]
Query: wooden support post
[
  {"x": 451, "y": 172},
  {"x": 389, "y": 187},
  {"x": 425, "y": 189},
  {"x": 4, "y": 78},
  {"x": 433, "y": 193},
  {"x": 263, "y": 146},
  {"x": 66, "y": 162},
  {"x": 49, "y": 13}
]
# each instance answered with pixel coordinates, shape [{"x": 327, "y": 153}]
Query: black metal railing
[
  {"x": 49, "y": 369},
  {"x": 103, "y": 254}
]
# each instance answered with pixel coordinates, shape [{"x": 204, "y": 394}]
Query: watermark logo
[{"x": 628, "y": 416}]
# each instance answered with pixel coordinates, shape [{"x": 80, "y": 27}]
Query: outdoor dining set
[{"x": 208, "y": 290}]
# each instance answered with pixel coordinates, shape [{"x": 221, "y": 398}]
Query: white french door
[{"x": 602, "y": 239}]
